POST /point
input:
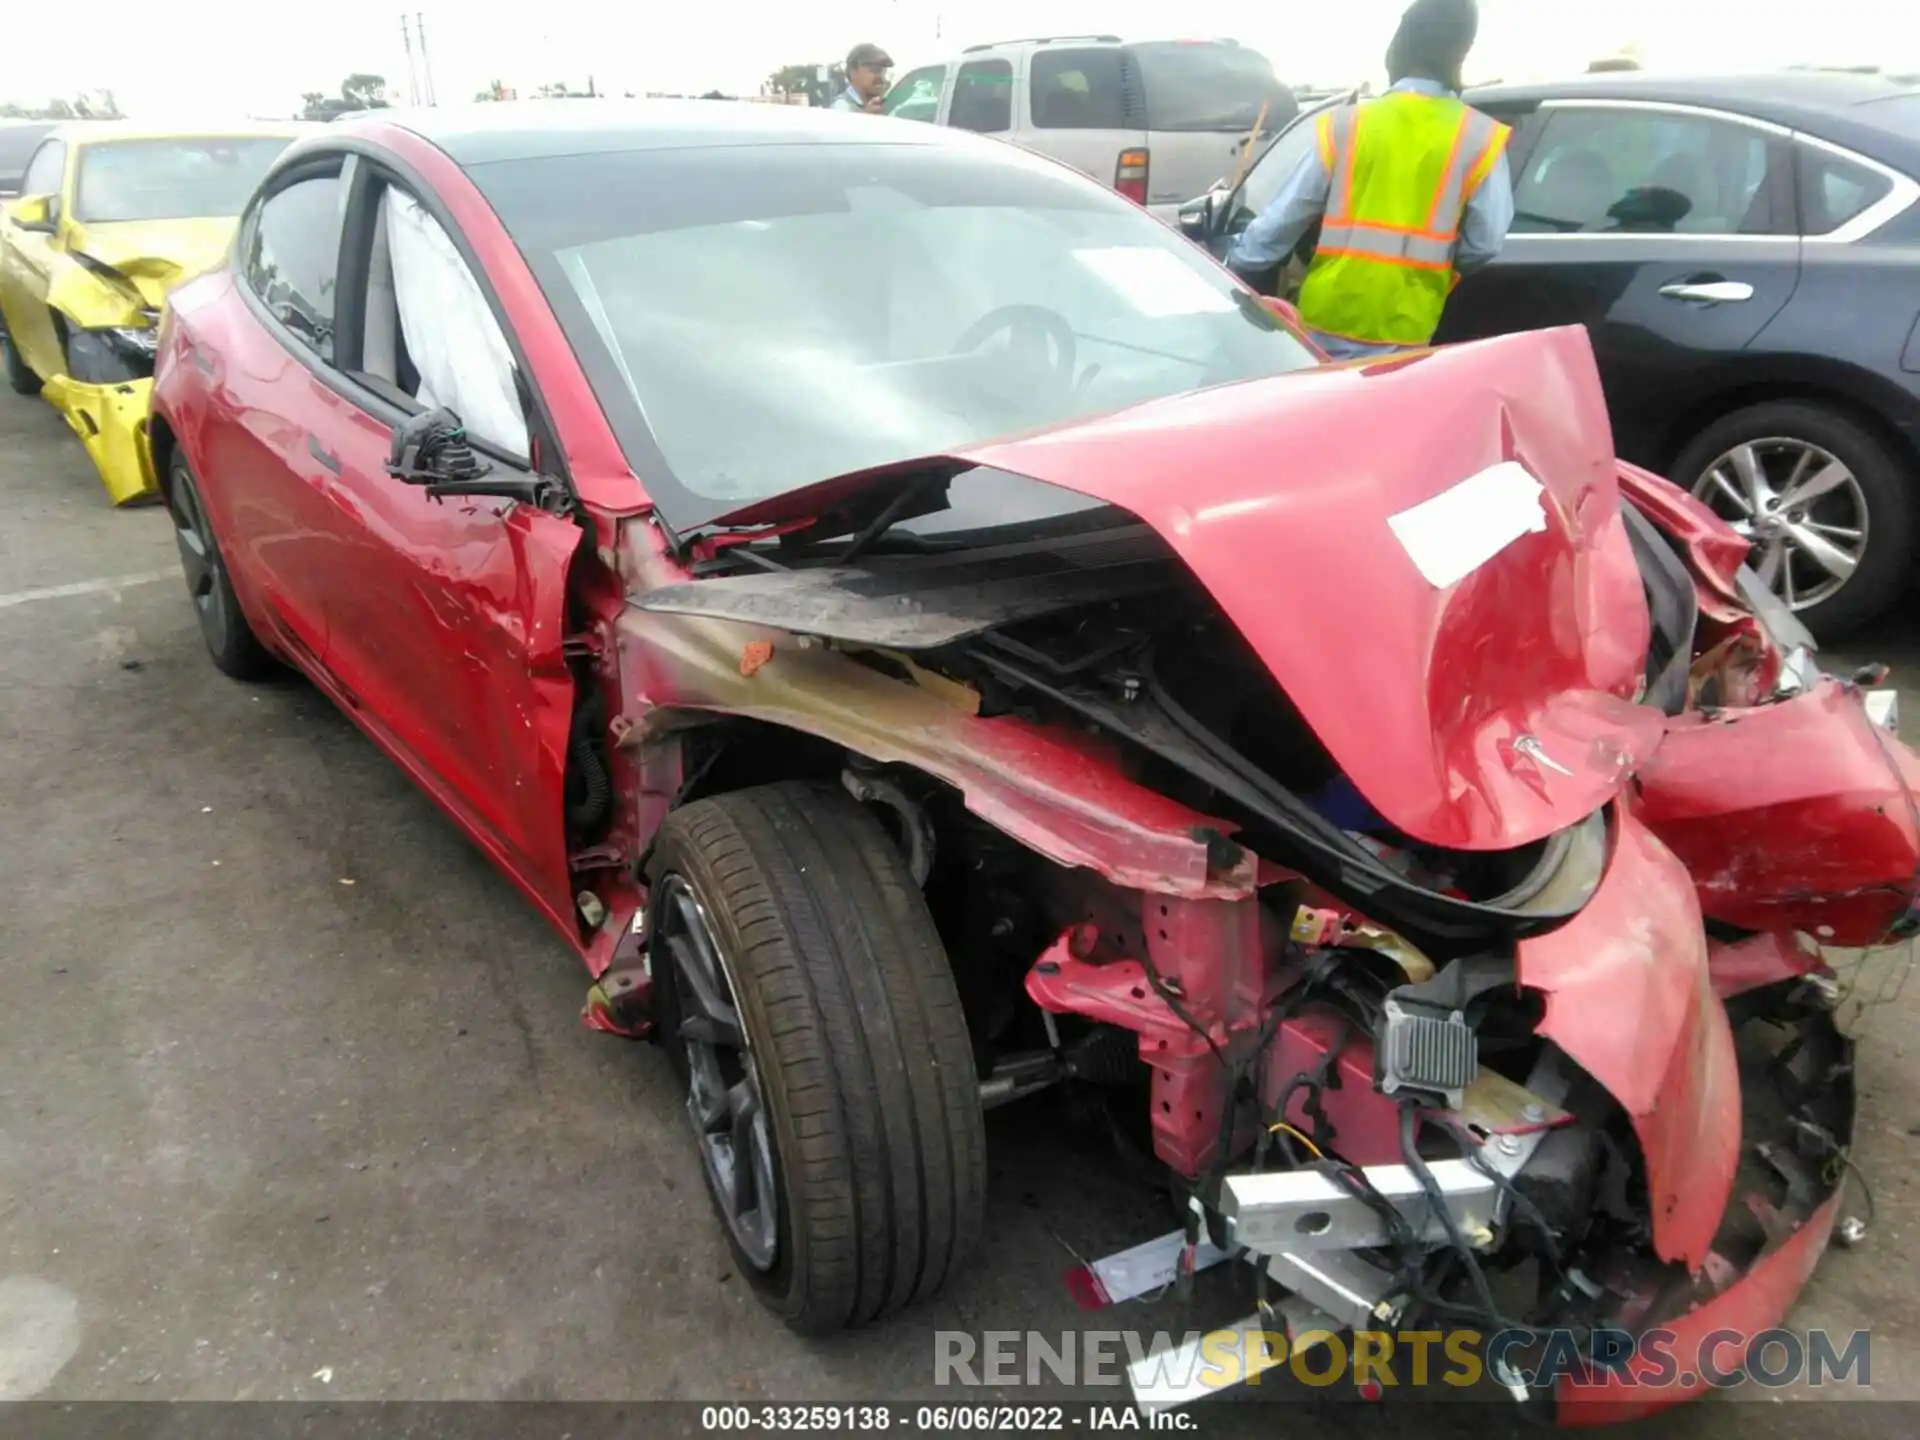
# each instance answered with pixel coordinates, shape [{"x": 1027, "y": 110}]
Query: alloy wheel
[
  {"x": 200, "y": 559},
  {"x": 724, "y": 1099},
  {"x": 1802, "y": 509}
]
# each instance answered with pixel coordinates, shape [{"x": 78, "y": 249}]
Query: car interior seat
[
  {"x": 1061, "y": 108},
  {"x": 1687, "y": 175},
  {"x": 1578, "y": 189}
]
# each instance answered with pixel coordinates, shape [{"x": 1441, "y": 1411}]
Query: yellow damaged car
[{"x": 109, "y": 218}]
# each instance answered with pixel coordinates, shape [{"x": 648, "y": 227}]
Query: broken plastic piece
[
  {"x": 615, "y": 1005},
  {"x": 753, "y": 655},
  {"x": 1141, "y": 1270}
]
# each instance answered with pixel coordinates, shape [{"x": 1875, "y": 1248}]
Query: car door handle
[
  {"x": 320, "y": 452},
  {"x": 1711, "y": 292}
]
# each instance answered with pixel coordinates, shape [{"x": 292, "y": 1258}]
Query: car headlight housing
[{"x": 112, "y": 356}]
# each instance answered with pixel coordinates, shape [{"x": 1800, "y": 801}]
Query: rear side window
[
  {"x": 917, "y": 95},
  {"x": 1085, "y": 90},
  {"x": 293, "y": 258},
  {"x": 1648, "y": 172},
  {"x": 1208, "y": 86},
  {"x": 1834, "y": 189},
  {"x": 983, "y": 97}
]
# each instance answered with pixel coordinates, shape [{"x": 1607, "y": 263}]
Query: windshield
[
  {"x": 193, "y": 179},
  {"x": 1209, "y": 87},
  {"x": 755, "y": 319}
]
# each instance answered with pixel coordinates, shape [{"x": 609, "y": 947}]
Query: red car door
[
  {"x": 263, "y": 354},
  {"x": 440, "y": 622}
]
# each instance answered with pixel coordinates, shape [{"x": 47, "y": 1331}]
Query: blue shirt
[
  {"x": 849, "y": 99},
  {"x": 1303, "y": 199}
]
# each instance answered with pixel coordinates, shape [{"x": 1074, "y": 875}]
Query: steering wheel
[{"x": 1033, "y": 329}]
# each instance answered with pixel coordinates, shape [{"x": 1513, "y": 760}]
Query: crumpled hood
[
  {"x": 1428, "y": 555},
  {"x": 156, "y": 255}
]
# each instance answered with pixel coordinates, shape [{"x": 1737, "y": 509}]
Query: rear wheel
[
  {"x": 808, "y": 1006},
  {"x": 231, "y": 643},
  {"x": 1829, "y": 509},
  {"x": 21, "y": 378}
]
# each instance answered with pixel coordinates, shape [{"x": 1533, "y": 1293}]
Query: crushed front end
[
  {"x": 109, "y": 313},
  {"x": 1464, "y": 961}
]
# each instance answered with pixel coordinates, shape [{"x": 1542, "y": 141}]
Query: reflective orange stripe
[
  {"x": 1483, "y": 167},
  {"x": 1406, "y": 262},
  {"x": 1353, "y": 151},
  {"x": 1419, "y": 230},
  {"x": 1447, "y": 172},
  {"x": 1342, "y": 129}
]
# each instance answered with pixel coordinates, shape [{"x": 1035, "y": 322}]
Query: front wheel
[
  {"x": 1829, "y": 510},
  {"x": 20, "y": 376},
  {"x": 808, "y": 1007}
]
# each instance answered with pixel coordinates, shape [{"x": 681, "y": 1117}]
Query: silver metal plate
[
  {"x": 1181, "y": 1374},
  {"x": 1297, "y": 1211},
  {"x": 1339, "y": 1284}
]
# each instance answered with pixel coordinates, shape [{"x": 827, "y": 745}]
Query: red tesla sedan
[{"x": 924, "y": 634}]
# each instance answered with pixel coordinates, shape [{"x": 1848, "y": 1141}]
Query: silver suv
[{"x": 1158, "y": 120}]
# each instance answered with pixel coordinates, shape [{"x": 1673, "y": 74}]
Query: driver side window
[
  {"x": 43, "y": 173},
  {"x": 917, "y": 96},
  {"x": 1272, "y": 171},
  {"x": 430, "y": 332}
]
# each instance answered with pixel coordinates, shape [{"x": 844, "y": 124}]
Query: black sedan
[{"x": 1745, "y": 253}]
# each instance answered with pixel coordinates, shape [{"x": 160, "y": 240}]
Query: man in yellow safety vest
[{"x": 1411, "y": 190}]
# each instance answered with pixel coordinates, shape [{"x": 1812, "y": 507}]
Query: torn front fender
[
  {"x": 111, "y": 421},
  {"x": 1630, "y": 998},
  {"x": 90, "y": 299},
  {"x": 1798, "y": 815}
]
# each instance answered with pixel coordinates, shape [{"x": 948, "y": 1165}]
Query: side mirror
[
  {"x": 39, "y": 214},
  {"x": 431, "y": 450},
  {"x": 1199, "y": 219},
  {"x": 1196, "y": 219}
]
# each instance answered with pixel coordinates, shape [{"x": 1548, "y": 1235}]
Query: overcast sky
[{"x": 253, "y": 56}]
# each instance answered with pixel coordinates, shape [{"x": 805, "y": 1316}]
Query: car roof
[
  {"x": 480, "y": 133},
  {"x": 1871, "y": 113},
  {"x": 83, "y": 132}
]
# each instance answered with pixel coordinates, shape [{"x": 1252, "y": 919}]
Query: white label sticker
[
  {"x": 1155, "y": 282},
  {"x": 1460, "y": 529}
]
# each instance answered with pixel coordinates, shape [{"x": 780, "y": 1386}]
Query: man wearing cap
[
  {"x": 867, "y": 69},
  {"x": 1412, "y": 191}
]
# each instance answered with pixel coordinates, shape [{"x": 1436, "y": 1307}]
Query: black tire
[
  {"x": 1885, "y": 487},
  {"x": 20, "y": 378},
  {"x": 234, "y": 648},
  {"x": 859, "y": 1049}
]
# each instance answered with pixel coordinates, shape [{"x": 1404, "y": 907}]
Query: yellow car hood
[{"x": 155, "y": 255}]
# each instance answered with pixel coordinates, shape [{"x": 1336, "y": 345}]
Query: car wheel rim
[
  {"x": 200, "y": 560},
  {"x": 724, "y": 1098},
  {"x": 1800, "y": 506}
]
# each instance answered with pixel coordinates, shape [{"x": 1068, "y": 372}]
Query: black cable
[
  {"x": 1520, "y": 1202},
  {"x": 1482, "y": 1291},
  {"x": 1167, "y": 993}
]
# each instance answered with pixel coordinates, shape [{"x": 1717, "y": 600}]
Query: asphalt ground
[{"x": 295, "y": 1103}]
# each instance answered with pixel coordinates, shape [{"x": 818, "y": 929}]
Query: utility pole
[
  {"x": 426, "y": 61},
  {"x": 413, "y": 78}
]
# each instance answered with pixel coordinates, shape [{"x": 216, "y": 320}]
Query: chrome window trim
[{"x": 1905, "y": 191}]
